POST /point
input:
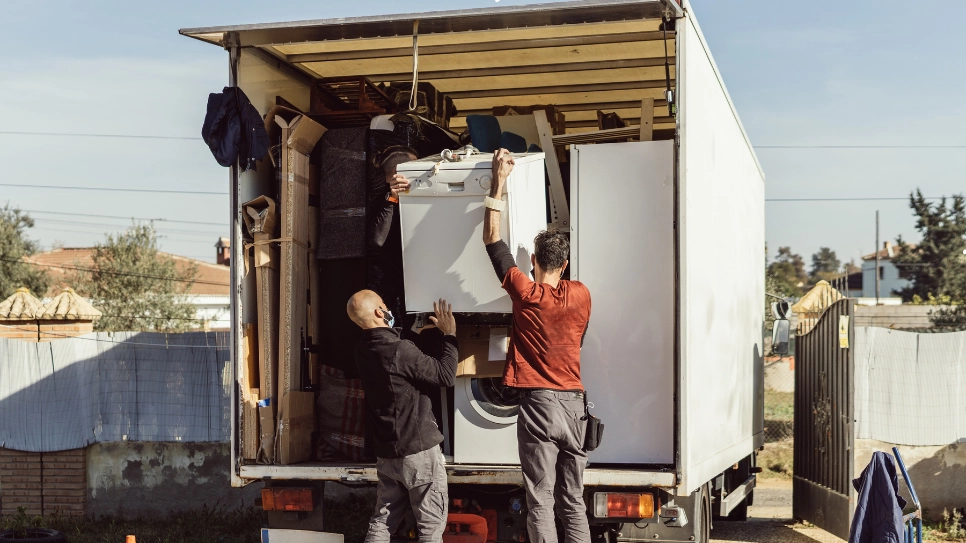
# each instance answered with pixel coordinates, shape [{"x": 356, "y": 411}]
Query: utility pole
[{"x": 877, "y": 257}]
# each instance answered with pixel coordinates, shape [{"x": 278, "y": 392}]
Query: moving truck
[{"x": 666, "y": 218}]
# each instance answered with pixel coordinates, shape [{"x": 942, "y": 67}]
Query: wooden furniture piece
[{"x": 345, "y": 102}]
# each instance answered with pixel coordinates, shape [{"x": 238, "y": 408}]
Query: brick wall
[
  {"x": 23, "y": 330},
  {"x": 44, "y": 330},
  {"x": 50, "y": 330},
  {"x": 43, "y": 483}
]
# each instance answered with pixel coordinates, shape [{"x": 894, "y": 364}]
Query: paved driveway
[{"x": 770, "y": 520}]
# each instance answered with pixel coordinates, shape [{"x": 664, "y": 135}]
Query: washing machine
[{"x": 485, "y": 421}]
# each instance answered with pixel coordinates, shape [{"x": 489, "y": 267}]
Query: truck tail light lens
[
  {"x": 613, "y": 505},
  {"x": 287, "y": 499}
]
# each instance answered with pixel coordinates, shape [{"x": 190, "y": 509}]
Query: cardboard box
[
  {"x": 261, "y": 220},
  {"x": 482, "y": 351},
  {"x": 296, "y": 424},
  {"x": 299, "y": 137},
  {"x": 249, "y": 399}
]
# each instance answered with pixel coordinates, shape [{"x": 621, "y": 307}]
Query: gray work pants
[
  {"x": 417, "y": 481},
  {"x": 550, "y": 434}
]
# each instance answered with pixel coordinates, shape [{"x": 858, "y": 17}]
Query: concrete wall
[
  {"x": 141, "y": 479},
  {"x": 938, "y": 473}
]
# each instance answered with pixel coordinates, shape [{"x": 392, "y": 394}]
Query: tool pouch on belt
[{"x": 595, "y": 428}]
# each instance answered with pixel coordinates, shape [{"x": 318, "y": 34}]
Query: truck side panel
[
  {"x": 722, "y": 239},
  {"x": 262, "y": 79}
]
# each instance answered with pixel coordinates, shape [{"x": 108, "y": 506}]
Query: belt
[{"x": 532, "y": 391}]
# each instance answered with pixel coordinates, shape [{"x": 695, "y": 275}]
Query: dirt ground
[{"x": 770, "y": 519}]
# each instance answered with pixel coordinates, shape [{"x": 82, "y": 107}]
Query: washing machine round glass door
[{"x": 492, "y": 400}]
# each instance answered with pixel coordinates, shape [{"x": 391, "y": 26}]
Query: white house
[{"x": 889, "y": 280}]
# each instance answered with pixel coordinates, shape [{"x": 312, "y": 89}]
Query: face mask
[{"x": 388, "y": 318}]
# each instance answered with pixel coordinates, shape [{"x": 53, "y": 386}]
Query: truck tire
[{"x": 702, "y": 515}]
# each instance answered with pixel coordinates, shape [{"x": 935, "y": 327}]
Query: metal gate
[{"x": 824, "y": 415}]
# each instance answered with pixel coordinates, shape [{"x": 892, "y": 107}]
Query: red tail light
[
  {"x": 613, "y": 505},
  {"x": 287, "y": 499}
]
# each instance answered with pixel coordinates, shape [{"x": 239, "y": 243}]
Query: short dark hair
[{"x": 552, "y": 249}]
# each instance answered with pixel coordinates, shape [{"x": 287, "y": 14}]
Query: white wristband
[{"x": 493, "y": 203}]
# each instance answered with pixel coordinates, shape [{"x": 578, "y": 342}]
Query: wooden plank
[
  {"x": 647, "y": 119},
  {"x": 558, "y": 89},
  {"x": 567, "y": 107},
  {"x": 522, "y": 69},
  {"x": 450, "y": 38},
  {"x": 598, "y": 135},
  {"x": 480, "y": 47},
  {"x": 559, "y": 207},
  {"x": 515, "y": 57}
]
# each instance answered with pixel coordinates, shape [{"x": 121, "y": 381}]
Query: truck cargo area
[{"x": 647, "y": 168}]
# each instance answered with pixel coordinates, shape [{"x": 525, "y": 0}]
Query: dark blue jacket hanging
[
  {"x": 878, "y": 506},
  {"x": 233, "y": 129}
]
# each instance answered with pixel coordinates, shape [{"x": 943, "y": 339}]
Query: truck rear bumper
[{"x": 458, "y": 474}]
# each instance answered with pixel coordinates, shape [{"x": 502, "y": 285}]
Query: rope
[{"x": 413, "y": 102}]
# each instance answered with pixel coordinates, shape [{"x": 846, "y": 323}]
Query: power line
[
  {"x": 868, "y": 199},
  {"x": 125, "y": 274},
  {"x": 81, "y": 135},
  {"x": 111, "y": 189},
  {"x": 859, "y": 146},
  {"x": 120, "y": 217},
  {"x": 115, "y": 342},
  {"x": 119, "y": 226},
  {"x": 195, "y": 138},
  {"x": 102, "y": 232}
]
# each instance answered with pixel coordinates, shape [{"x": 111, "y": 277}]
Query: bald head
[{"x": 366, "y": 309}]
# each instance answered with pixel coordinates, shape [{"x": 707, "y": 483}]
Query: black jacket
[
  {"x": 393, "y": 371},
  {"x": 233, "y": 129},
  {"x": 878, "y": 505}
]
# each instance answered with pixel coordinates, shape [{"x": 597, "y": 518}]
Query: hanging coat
[
  {"x": 878, "y": 505},
  {"x": 233, "y": 129}
]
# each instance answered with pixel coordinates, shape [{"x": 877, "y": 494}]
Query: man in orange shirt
[{"x": 550, "y": 317}]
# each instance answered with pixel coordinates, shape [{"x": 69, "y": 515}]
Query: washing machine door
[{"x": 492, "y": 400}]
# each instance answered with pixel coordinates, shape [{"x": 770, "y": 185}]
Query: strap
[
  {"x": 493, "y": 203},
  {"x": 250, "y": 246}
]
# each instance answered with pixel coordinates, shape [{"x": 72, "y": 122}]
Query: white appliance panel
[
  {"x": 480, "y": 437},
  {"x": 622, "y": 197},
  {"x": 442, "y": 229}
]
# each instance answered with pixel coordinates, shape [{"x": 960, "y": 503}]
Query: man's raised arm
[{"x": 498, "y": 250}]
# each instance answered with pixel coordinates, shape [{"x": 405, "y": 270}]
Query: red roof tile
[{"x": 211, "y": 279}]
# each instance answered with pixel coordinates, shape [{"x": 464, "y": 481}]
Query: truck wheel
[{"x": 702, "y": 515}]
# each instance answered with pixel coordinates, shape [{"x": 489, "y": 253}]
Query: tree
[
  {"x": 14, "y": 245},
  {"x": 136, "y": 287},
  {"x": 787, "y": 273},
  {"x": 825, "y": 265},
  {"x": 936, "y": 266}
]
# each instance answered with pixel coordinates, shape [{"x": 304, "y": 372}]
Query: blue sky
[{"x": 800, "y": 73}]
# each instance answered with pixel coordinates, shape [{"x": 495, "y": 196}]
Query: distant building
[
  {"x": 209, "y": 294},
  {"x": 889, "y": 280}
]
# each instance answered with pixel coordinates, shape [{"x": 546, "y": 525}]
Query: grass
[
  {"x": 950, "y": 528},
  {"x": 349, "y": 516},
  {"x": 776, "y": 459},
  {"x": 207, "y": 525},
  {"x": 779, "y": 405}
]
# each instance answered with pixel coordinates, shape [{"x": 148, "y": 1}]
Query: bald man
[{"x": 406, "y": 438}]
